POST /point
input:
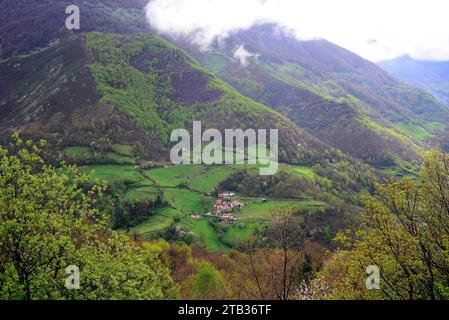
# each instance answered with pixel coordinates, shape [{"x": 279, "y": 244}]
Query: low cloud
[
  {"x": 203, "y": 21},
  {"x": 418, "y": 28},
  {"x": 243, "y": 55}
]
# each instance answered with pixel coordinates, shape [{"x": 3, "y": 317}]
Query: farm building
[{"x": 224, "y": 205}]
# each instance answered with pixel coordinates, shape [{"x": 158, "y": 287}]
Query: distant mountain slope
[
  {"x": 341, "y": 98},
  {"x": 430, "y": 75},
  {"x": 52, "y": 94},
  {"x": 99, "y": 86},
  {"x": 29, "y": 24}
]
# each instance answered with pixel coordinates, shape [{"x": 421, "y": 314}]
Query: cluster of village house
[{"x": 224, "y": 205}]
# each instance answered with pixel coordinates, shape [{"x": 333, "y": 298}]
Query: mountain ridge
[
  {"x": 27, "y": 102},
  {"x": 432, "y": 76},
  {"x": 400, "y": 120}
]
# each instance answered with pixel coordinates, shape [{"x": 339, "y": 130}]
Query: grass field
[
  {"x": 216, "y": 62},
  {"x": 207, "y": 234},
  {"x": 163, "y": 218},
  {"x": 173, "y": 176},
  {"x": 210, "y": 178},
  {"x": 112, "y": 173},
  {"x": 436, "y": 125},
  {"x": 241, "y": 231},
  {"x": 259, "y": 210},
  {"x": 415, "y": 131},
  {"x": 187, "y": 202},
  {"x": 143, "y": 193},
  {"x": 121, "y": 155}
]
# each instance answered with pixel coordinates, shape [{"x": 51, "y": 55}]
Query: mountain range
[
  {"x": 344, "y": 100},
  {"x": 340, "y": 98},
  {"x": 432, "y": 76}
]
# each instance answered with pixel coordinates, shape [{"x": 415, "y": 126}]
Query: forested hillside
[
  {"x": 430, "y": 75},
  {"x": 339, "y": 97}
]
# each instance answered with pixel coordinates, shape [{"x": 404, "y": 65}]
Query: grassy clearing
[
  {"x": 310, "y": 174},
  {"x": 216, "y": 62},
  {"x": 205, "y": 232},
  {"x": 187, "y": 202},
  {"x": 384, "y": 131},
  {"x": 436, "y": 125},
  {"x": 415, "y": 131},
  {"x": 304, "y": 171},
  {"x": 163, "y": 218},
  {"x": 113, "y": 173},
  {"x": 241, "y": 231},
  {"x": 210, "y": 178},
  {"x": 402, "y": 169},
  {"x": 147, "y": 193},
  {"x": 401, "y": 172},
  {"x": 184, "y": 202},
  {"x": 77, "y": 151},
  {"x": 197, "y": 177},
  {"x": 262, "y": 211},
  {"x": 175, "y": 175},
  {"x": 123, "y": 149}
]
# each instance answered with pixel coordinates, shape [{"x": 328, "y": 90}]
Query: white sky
[{"x": 375, "y": 29}]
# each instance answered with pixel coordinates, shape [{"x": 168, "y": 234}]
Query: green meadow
[{"x": 188, "y": 189}]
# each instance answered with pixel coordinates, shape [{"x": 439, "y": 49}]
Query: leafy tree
[
  {"x": 181, "y": 262},
  {"x": 406, "y": 234},
  {"x": 137, "y": 149},
  {"x": 115, "y": 269},
  {"x": 208, "y": 283},
  {"x": 49, "y": 220}
]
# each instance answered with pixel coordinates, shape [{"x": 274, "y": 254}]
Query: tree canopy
[
  {"x": 49, "y": 220},
  {"x": 405, "y": 233}
]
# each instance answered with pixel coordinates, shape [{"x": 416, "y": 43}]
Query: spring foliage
[
  {"x": 406, "y": 234},
  {"x": 49, "y": 220}
]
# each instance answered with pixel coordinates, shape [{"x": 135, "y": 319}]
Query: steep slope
[
  {"x": 341, "y": 98},
  {"x": 430, "y": 75},
  {"x": 51, "y": 94},
  {"x": 109, "y": 87},
  {"x": 162, "y": 88},
  {"x": 26, "y": 25},
  {"x": 336, "y": 123}
]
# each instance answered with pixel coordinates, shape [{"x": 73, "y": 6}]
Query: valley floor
[{"x": 187, "y": 194}]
